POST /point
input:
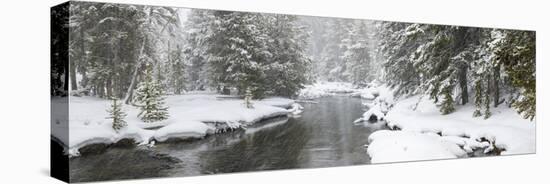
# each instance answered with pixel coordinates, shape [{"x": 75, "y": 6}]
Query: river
[{"x": 324, "y": 136}]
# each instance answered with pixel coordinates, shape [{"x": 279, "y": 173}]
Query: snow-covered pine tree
[
  {"x": 176, "y": 67},
  {"x": 397, "y": 49},
  {"x": 332, "y": 65},
  {"x": 248, "y": 98},
  {"x": 109, "y": 43},
  {"x": 446, "y": 105},
  {"x": 482, "y": 66},
  {"x": 198, "y": 30},
  {"x": 117, "y": 115},
  {"x": 149, "y": 99},
  {"x": 236, "y": 51},
  {"x": 443, "y": 60},
  {"x": 286, "y": 71},
  {"x": 516, "y": 53},
  {"x": 316, "y": 43},
  {"x": 357, "y": 56},
  {"x": 449, "y": 62}
]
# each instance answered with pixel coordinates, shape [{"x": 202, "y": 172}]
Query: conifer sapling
[
  {"x": 149, "y": 98},
  {"x": 117, "y": 115},
  {"x": 248, "y": 98}
]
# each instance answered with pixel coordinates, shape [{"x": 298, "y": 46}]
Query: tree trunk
[
  {"x": 130, "y": 90},
  {"x": 66, "y": 77},
  {"x": 226, "y": 91},
  {"x": 82, "y": 60},
  {"x": 72, "y": 75},
  {"x": 84, "y": 81},
  {"x": 109, "y": 87},
  {"x": 496, "y": 90},
  {"x": 101, "y": 89},
  {"x": 133, "y": 84},
  {"x": 463, "y": 80}
]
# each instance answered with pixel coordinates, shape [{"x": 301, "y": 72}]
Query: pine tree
[
  {"x": 398, "y": 46},
  {"x": 149, "y": 98},
  {"x": 447, "y": 103},
  {"x": 109, "y": 44},
  {"x": 286, "y": 71},
  {"x": 198, "y": 30},
  {"x": 448, "y": 62},
  {"x": 117, "y": 115},
  {"x": 516, "y": 52},
  {"x": 175, "y": 70},
  {"x": 332, "y": 65},
  {"x": 248, "y": 98},
  {"x": 237, "y": 51}
]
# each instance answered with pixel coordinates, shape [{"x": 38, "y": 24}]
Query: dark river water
[{"x": 324, "y": 136}]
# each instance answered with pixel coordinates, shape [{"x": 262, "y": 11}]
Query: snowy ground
[
  {"x": 424, "y": 133},
  {"x": 191, "y": 116}
]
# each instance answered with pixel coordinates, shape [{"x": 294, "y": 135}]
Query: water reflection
[{"x": 323, "y": 136}]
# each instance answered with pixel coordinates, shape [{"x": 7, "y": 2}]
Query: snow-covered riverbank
[
  {"x": 191, "y": 116},
  {"x": 421, "y": 132},
  {"x": 322, "y": 89},
  {"x": 424, "y": 133}
]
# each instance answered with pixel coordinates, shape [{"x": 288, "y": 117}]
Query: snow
[
  {"x": 191, "y": 116},
  {"x": 371, "y": 92},
  {"x": 296, "y": 109},
  {"x": 87, "y": 124},
  {"x": 399, "y": 146},
  {"x": 59, "y": 120},
  {"x": 380, "y": 105},
  {"x": 505, "y": 129},
  {"x": 374, "y": 111},
  {"x": 182, "y": 130},
  {"x": 229, "y": 111},
  {"x": 321, "y": 89}
]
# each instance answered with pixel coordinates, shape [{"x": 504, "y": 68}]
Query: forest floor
[{"x": 191, "y": 116}]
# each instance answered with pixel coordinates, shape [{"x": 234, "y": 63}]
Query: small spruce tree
[
  {"x": 117, "y": 115},
  {"x": 248, "y": 98},
  {"x": 149, "y": 98},
  {"x": 447, "y": 105}
]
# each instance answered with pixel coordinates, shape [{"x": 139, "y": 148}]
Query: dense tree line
[
  {"x": 59, "y": 29},
  {"x": 240, "y": 50},
  {"x": 343, "y": 50},
  {"x": 111, "y": 43},
  {"x": 450, "y": 63}
]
